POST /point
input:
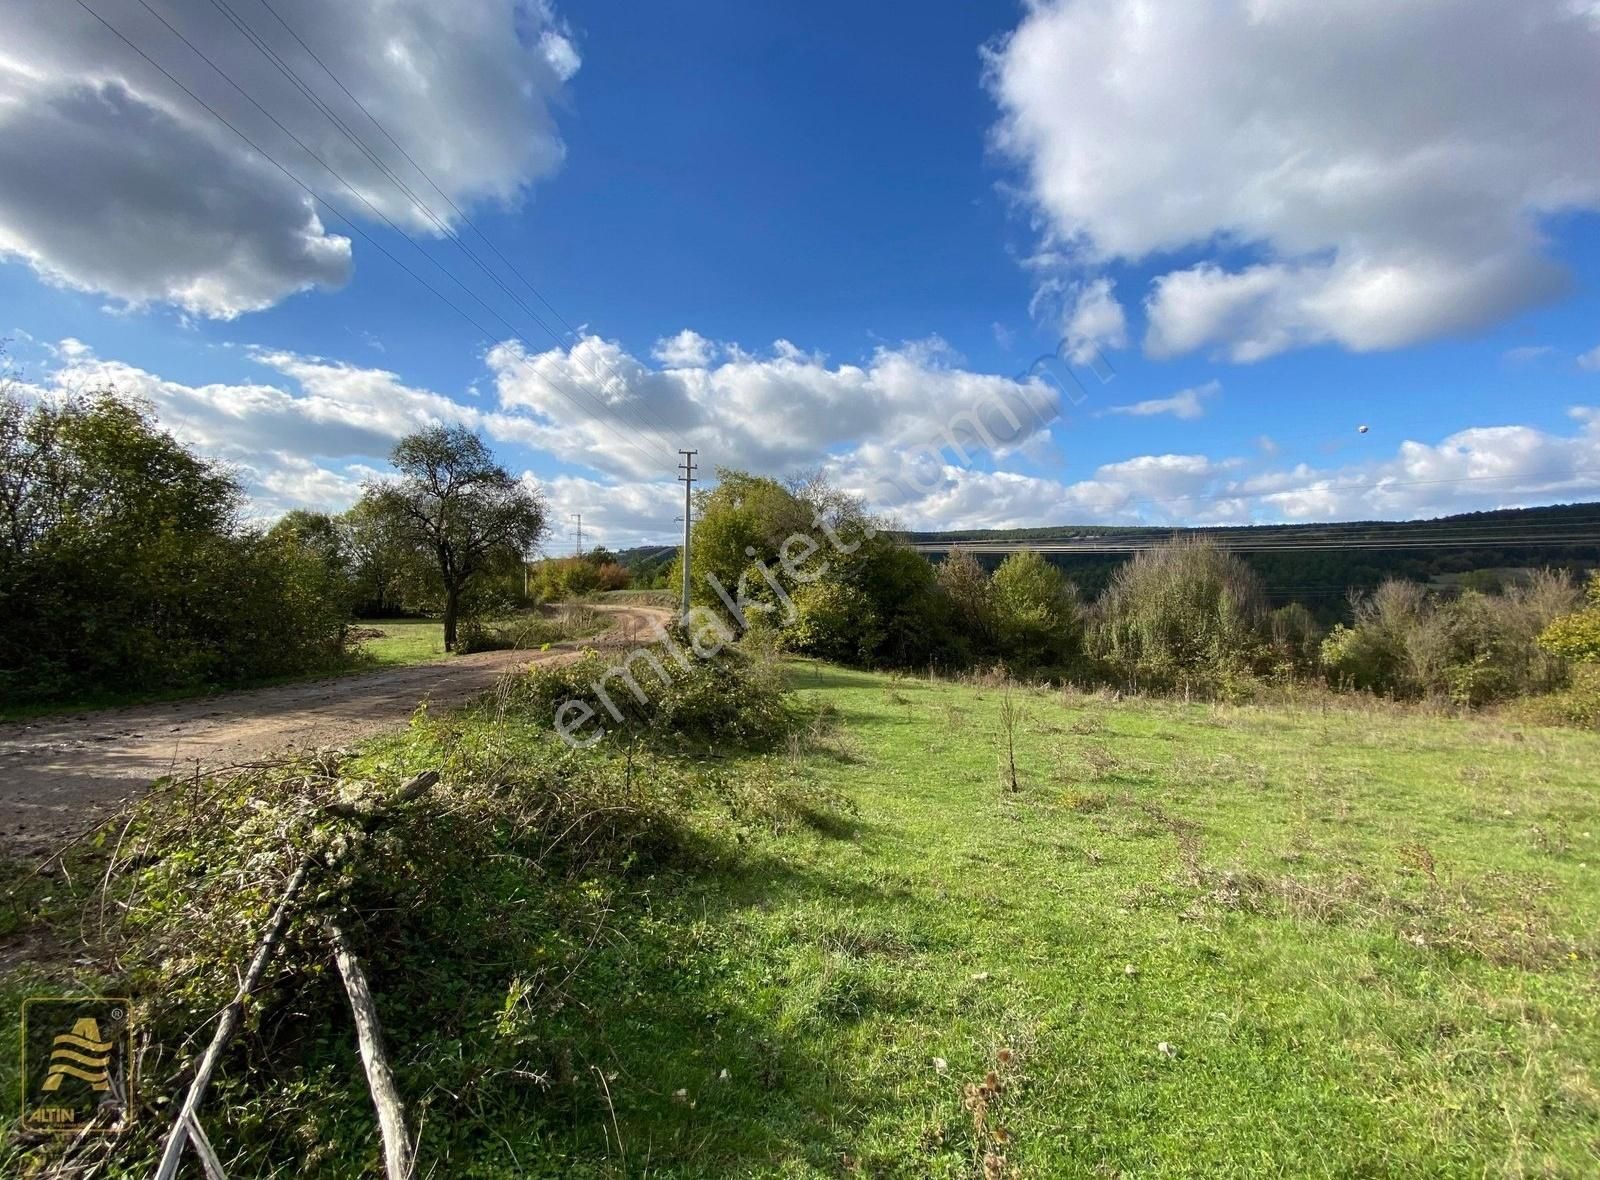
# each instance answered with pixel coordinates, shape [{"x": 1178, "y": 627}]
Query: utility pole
[
  {"x": 687, "y": 479},
  {"x": 578, "y": 516}
]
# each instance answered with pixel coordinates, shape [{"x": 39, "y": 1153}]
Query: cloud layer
[
  {"x": 909, "y": 430},
  {"x": 1388, "y": 165},
  {"x": 117, "y": 182}
]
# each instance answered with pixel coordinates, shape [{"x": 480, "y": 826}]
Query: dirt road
[{"x": 58, "y": 773}]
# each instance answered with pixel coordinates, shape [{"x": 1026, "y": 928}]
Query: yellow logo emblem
[
  {"x": 80, "y": 1054},
  {"x": 77, "y": 1066}
]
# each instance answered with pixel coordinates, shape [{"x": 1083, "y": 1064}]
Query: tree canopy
[{"x": 456, "y": 504}]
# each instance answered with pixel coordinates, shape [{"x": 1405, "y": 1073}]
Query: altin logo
[
  {"x": 76, "y": 1063},
  {"x": 80, "y": 1054}
]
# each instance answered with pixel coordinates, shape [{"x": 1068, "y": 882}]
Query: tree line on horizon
[{"x": 1186, "y": 617}]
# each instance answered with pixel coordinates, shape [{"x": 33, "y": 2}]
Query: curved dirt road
[{"x": 57, "y": 774}]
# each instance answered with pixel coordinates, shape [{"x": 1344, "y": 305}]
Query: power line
[
  {"x": 687, "y": 478},
  {"x": 1336, "y": 533},
  {"x": 1059, "y": 548},
  {"x": 323, "y": 201},
  {"x": 354, "y": 191},
  {"x": 643, "y": 410}
]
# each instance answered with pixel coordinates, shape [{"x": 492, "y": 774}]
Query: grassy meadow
[{"x": 1319, "y": 938}]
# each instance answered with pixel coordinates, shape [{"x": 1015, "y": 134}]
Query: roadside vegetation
[
  {"x": 129, "y": 569},
  {"x": 1326, "y": 935},
  {"x": 398, "y": 642}
]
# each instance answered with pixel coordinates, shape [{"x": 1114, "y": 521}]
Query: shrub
[
  {"x": 613, "y": 576},
  {"x": 1475, "y": 648},
  {"x": 729, "y": 698},
  {"x": 1577, "y": 704},
  {"x": 833, "y": 621},
  {"x": 1575, "y": 635},
  {"x": 559, "y": 579},
  {"x": 531, "y": 629},
  {"x": 1185, "y": 615},
  {"x": 1296, "y": 638}
]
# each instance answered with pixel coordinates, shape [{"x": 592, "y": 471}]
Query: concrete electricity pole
[{"x": 687, "y": 479}]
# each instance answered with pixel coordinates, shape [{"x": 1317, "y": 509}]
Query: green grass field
[
  {"x": 1195, "y": 940},
  {"x": 1366, "y": 939},
  {"x": 404, "y": 641}
]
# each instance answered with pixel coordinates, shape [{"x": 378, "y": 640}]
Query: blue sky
[{"x": 917, "y": 201}]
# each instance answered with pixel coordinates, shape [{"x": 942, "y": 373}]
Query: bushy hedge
[
  {"x": 1185, "y": 616},
  {"x": 1405, "y": 641},
  {"x": 124, "y": 565}
]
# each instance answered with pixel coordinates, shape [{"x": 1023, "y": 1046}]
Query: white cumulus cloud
[
  {"x": 1389, "y": 165},
  {"x": 118, "y": 182},
  {"x": 1186, "y": 403}
]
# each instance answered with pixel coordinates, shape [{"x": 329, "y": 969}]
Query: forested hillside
[{"x": 1327, "y": 561}]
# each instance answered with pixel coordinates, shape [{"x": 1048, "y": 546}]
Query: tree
[
  {"x": 1037, "y": 615},
  {"x": 744, "y": 519},
  {"x": 454, "y": 502},
  {"x": 386, "y": 570},
  {"x": 971, "y": 596},
  {"x": 124, "y": 565}
]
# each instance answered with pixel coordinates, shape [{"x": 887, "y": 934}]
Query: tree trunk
[{"x": 452, "y": 605}]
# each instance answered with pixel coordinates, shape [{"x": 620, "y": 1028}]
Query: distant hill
[
  {"x": 647, "y": 563},
  {"x": 1319, "y": 564},
  {"x": 1316, "y": 564}
]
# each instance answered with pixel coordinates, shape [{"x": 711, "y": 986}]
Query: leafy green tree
[
  {"x": 1038, "y": 620},
  {"x": 124, "y": 566},
  {"x": 911, "y": 616},
  {"x": 387, "y": 572},
  {"x": 833, "y": 621},
  {"x": 742, "y": 520},
  {"x": 456, "y": 504},
  {"x": 966, "y": 586}
]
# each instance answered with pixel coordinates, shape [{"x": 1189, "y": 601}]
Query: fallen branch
[
  {"x": 412, "y": 790},
  {"x": 397, "y": 1152},
  {"x": 181, "y": 1128}
]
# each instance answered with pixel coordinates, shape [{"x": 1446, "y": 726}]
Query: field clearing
[
  {"x": 403, "y": 641},
  {"x": 1366, "y": 938},
  {"x": 1195, "y": 940}
]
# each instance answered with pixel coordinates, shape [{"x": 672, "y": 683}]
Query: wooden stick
[
  {"x": 231, "y": 1015},
  {"x": 209, "y": 1163},
  {"x": 397, "y": 1157}
]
